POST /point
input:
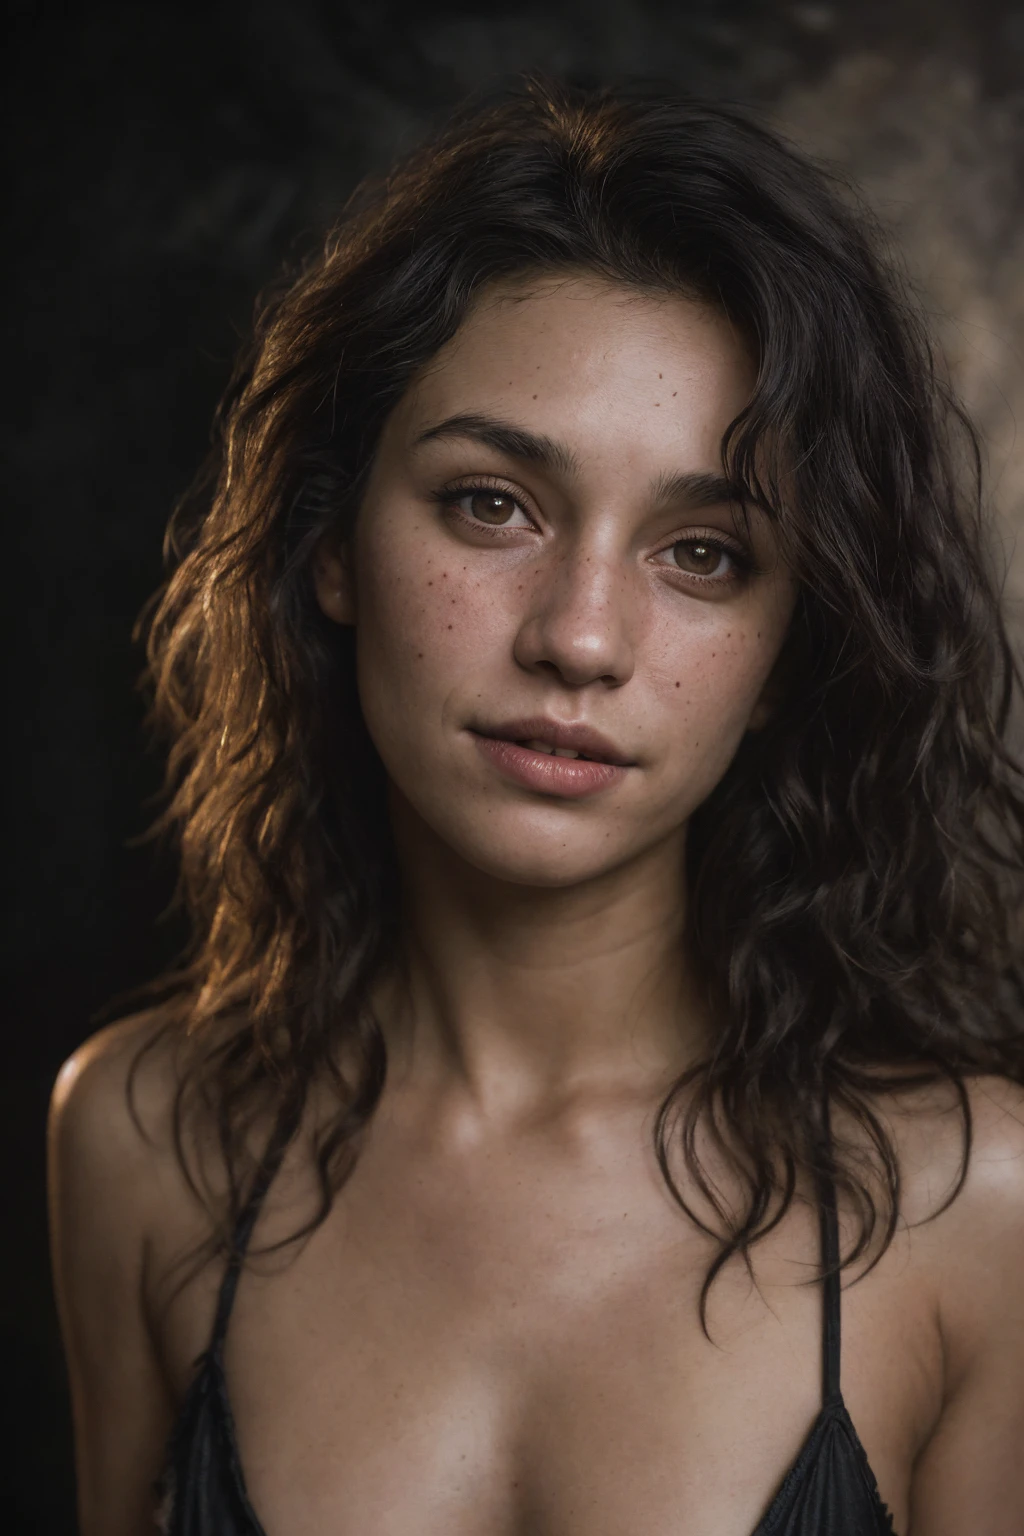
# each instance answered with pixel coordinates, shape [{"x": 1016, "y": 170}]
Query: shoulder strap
[
  {"x": 268, "y": 1166},
  {"x": 831, "y": 1306}
]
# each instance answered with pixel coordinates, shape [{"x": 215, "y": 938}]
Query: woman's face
[{"x": 547, "y": 557}]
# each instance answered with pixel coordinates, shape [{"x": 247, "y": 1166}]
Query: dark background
[{"x": 163, "y": 160}]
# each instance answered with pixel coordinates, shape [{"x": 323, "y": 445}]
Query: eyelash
[
  {"x": 743, "y": 563},
  {"x": 451, "y": 495},
  {"x": 744, "y": 566}
]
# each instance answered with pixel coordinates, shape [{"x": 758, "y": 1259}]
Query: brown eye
[
  {"x": 698, "y": 556},
  {"x": 488, "y": 506},
  {"x": 491, "y": 506}
]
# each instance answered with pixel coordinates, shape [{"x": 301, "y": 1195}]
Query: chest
[{"x": 522, "y": 1354}]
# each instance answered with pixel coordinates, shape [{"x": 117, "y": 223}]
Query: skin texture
[{"x": 495, "y": 1331}]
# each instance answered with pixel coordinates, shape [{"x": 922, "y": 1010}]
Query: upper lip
[{"x": 574, "y": 738}]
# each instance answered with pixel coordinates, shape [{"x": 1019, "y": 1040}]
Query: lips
[
  {"x": 541, "y": 746},
  {"x": 550, "y": 758},
  {"x": 559, "y": 738}
]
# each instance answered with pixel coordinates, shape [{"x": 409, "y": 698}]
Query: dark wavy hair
[{"x": 855, "y": 876}]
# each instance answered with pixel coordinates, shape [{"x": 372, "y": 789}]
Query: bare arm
[
  {"x": 970, "y": 1476},
  {"x": 102, "y": 1189}
]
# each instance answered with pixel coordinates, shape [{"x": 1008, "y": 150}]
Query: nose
[{"x": 578, "y": 623}]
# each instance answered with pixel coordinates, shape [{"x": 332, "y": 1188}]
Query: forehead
[{"x": 644, "y": 377}]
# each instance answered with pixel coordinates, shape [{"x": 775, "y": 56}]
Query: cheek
[
  {"x": 708, "y": 682},
  {"x": 424, "y": 622}
]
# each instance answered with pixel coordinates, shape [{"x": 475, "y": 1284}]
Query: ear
[
  {"x": 761, "y": 713},
  {"x": 772, "y": 693},
  {"x": 332, "y": 580}
]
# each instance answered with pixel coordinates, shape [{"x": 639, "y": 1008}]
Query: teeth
[{"x": 543, "y": 746}]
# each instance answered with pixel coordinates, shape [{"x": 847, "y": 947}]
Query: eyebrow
[
  {"x": 517, "y": 442},
  {"x": 698, "y": 488}
]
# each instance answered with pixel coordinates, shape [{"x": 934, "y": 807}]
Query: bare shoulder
[
  {"x": 971, "y": 1239},
  {"x": 117, "y": 1181},
  {"x": 96, "y": 1075},
  {"x": 111, "y": 1108},
  {"x": 997, "y": 1163},
  {"x": 116, "y": 1194},
  {"x": 986, "y": 1221},
  {"x": 934, "y": 1128},
  {"x": 937, "y": 1142},
  {"x": 967, "y": 1252}
]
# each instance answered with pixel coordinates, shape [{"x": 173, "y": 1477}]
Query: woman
[{"x": 588, "y": 698}]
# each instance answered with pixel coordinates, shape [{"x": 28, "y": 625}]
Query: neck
[{"x": 525, "y": 999}]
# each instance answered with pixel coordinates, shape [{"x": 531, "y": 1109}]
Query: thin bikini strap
[
  {"x": 268, "y": 1167},
  {"x": 831, "y": 1306}
]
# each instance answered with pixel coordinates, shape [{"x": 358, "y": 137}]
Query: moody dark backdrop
[{"x": 164, "y": 159}]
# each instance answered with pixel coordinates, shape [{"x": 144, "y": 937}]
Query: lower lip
[{"x": 570, "y": 778}]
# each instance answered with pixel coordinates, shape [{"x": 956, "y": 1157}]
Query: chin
[
  {"x": 537, "y": 867},
  {"x": 548, "y": 857}
]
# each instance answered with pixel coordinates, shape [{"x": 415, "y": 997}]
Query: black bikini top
[{"x": 829, "y": 1490}]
